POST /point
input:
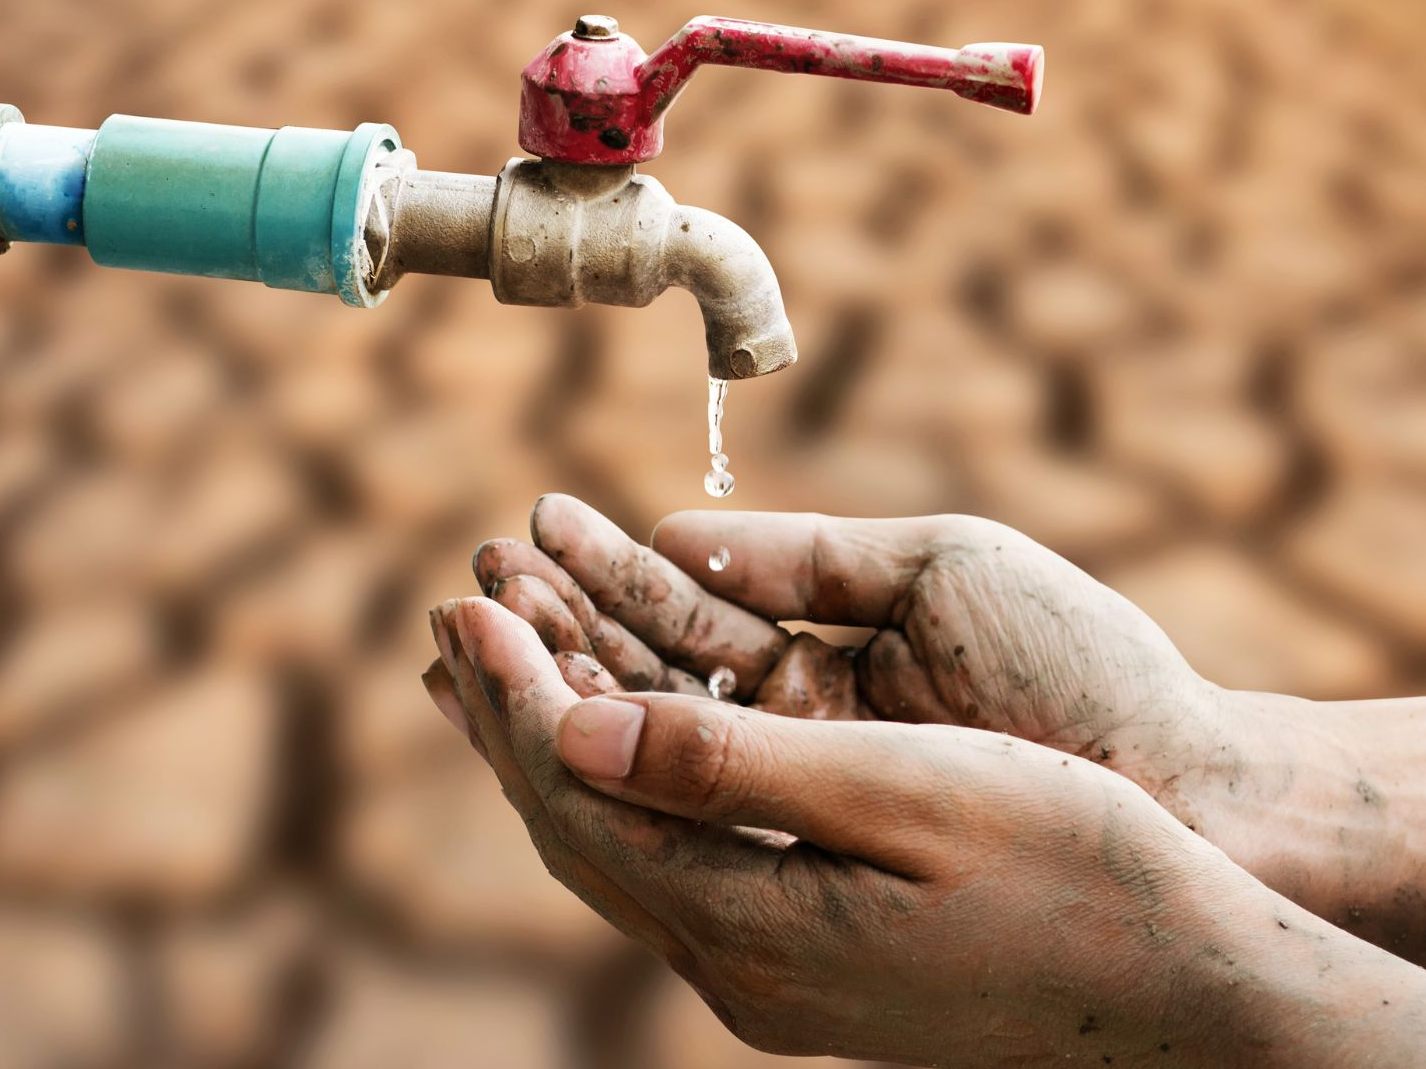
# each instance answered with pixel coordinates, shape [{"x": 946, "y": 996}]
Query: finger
[
  {"x": 631, "y": 661},
  {"x": 441, "y": 688},
  {"x": 526, "y": 691},
  {"x": 529, "y": 698},
  {"x": 896, "y": 684},
  {"x": 584, "y": 675},
  {"x": 813, "y": 681},
  {"x": 709, "y": 885},
  {"x": 576, "y": 871},
  {"x": 536, "y": 602},
  {"x": 504, "y": 558},
  {"x": 660, "y": 604},
  {"x": 804, "y": 566},
  {"x": 860, "y": 790},
  {"x": 658, "y": 858},
  {"x": 479, "y": 714},
  {"x": 467, "y": 693}
]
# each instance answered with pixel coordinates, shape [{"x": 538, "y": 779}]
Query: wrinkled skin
[{"x": 923, "y": 891}]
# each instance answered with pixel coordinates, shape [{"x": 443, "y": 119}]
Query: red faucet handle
[
  {"x": 592, "y": 96},
  {"x": 1002, "y": 75}
]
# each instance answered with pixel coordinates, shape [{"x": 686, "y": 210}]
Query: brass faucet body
[{"x": 561, "y": 235}]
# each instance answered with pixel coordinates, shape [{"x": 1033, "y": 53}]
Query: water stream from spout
[{"x": 719, "y": 481}]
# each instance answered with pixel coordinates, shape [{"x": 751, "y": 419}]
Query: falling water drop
[
  {"x": 718, "y": 483},
  {"x": 719, "y": 558},
  {"x": 722, "y": 682}
]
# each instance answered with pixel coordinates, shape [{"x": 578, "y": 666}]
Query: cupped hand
[
  {"x": 975, "y": 625},
  {"x": 929, "y": 895}
]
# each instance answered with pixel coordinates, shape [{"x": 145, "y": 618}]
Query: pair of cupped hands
[{"x": 986, "y": 836}]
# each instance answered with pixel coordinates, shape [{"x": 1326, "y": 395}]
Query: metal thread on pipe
[{"x": 438, "y": 223}]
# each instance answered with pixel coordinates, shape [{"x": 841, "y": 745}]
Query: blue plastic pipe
[
  {"x": 284, "y": 207},
  {"x": 42, "y": 177}
]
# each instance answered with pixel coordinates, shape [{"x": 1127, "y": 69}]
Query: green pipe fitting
[{"x": 283, "y": 207}]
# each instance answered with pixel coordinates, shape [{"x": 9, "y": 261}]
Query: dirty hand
[
  {"x": 931, "y": 895},
  {"x": 976, "y": 625}
]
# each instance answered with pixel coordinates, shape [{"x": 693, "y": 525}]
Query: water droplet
[
  {"x": 722, "y": 682},
  {"x": 719, "y": 558},
  {"x": 718, "y": 483},
  {"x": 720, "y": 461}
]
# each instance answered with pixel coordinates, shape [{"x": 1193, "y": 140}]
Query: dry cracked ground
[{"x": 1174, "y": 327}]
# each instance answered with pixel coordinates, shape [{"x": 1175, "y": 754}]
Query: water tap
[{"x": 349, "y": 213}]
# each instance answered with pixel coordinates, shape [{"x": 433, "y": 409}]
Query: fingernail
[{"x": 600, "y": 736}]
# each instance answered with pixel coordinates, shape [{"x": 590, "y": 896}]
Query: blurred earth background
[{"x": 1174, "y": 327}]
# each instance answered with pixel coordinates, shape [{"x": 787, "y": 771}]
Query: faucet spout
[
  {"x": 563, "y": 235},
  {"x": 744, "y": 321}
]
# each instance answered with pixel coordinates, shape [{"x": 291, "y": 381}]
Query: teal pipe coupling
[{"x": 284, "y": 207}]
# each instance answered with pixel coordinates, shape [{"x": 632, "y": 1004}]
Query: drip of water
[
  {"x": 719, "y": 481},
  {"x": 722, "y": 682}
]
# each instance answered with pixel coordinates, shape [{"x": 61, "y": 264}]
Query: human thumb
[{"x": 860, "y": 789}]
